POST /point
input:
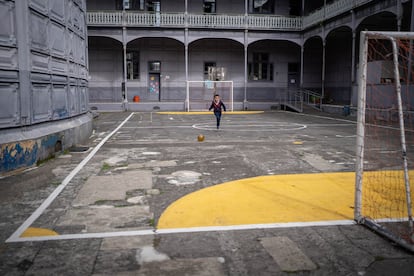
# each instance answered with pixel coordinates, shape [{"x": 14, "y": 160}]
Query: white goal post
[
  {"x": 385, "y": 136},
  {"x": 199, "y": 94}
]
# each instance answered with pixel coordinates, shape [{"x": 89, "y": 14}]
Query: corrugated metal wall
[{"x": 43, "y": 61}]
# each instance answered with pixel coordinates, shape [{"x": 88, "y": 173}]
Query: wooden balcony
[
  {"x": 180, "y": 20},
  {"x": 222, "y": 21}
]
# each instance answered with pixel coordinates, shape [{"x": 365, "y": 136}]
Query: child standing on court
[{"x": 217, "y": 104}]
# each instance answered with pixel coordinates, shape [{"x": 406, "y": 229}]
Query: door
[
  {"x": 154, "y": 86},
  {"x": 293, "y": 76},
  {"x": 154, "y": 80}
]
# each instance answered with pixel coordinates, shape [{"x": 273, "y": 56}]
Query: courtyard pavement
[{"x": 267, "y": 194}]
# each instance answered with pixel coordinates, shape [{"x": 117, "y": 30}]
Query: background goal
[
  {"x": 201, "y": 93},
  {"x": 385, "y": 136}
]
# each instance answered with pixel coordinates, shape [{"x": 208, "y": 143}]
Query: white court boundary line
[
  {"x": 186, "y": 230},
  {"x": 36, "y": 214}
]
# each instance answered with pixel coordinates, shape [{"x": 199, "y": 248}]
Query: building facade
[
  {"x": 150, "y": 49},
  {"x": 43, "y": 80}
]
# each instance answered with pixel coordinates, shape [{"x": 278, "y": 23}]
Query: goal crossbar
[{"x": 210, "y": 85}]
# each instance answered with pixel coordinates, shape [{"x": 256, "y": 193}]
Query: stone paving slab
[
  {"x": 108, "y": 218},
  {"x": 112, "y": 187},
  {"x": 116, "y": 243},
  {"x": 196, "y": 267},
  {"x": 287, "y": 254}
]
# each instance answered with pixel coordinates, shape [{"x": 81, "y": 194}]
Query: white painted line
[
  {"x": 329, "y": 125},
  {"x": 155, "y": 127},
  {"x": 346, "y": 136},
  {"x": 273, "y": 126},
  {"x": 87, "y": 236},
  {"x": 36, "y": 214},
  {"x": 185, "y": 230},
  {"x": 323, "y": 117},
  {"x": 255, "y": 226}
]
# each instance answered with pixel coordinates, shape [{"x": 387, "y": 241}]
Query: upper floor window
[
  {"x": 130, "y": 4},
  {"x": 153, "y": 6},
  {"x": 209, "y": 6},
  {"x": 262, "y": 6},
  {"x": 295, "y": 7},
  {"x": 261, "y": 69},
  {"x": 139, "y": 5}
]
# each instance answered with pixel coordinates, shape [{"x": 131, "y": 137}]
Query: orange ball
[{"x": 200, "y": 138}]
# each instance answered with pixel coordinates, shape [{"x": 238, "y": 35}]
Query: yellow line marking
[
  {"x": 269, "y": 199},
  {"x": 208, "y": 112},
  {"x": 297, "y": 143},
  {"x": 38, "y": 232}
]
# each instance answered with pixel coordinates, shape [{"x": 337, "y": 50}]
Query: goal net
[
  {"x": 201, "y": 93},
  {"x": 385, "y": 136}
]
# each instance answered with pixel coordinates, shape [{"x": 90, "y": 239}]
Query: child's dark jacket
[{"x": 217, "y": 106}]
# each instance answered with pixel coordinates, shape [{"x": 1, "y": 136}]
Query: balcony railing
[
  {"x": 216, "y": 21},
  {"x": 104, "y": 18},
  {"x": 143, "y": 19},
  {"x": 224, "y": 21},
  {"x": 331, "y": 10}
]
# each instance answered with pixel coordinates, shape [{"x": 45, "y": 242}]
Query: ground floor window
[
  {"x": 261, "y": 69},
  {"x": 132, "y": 58},
  {"x": 207, "y": 65},
  {"x": 154, "y": 66}
]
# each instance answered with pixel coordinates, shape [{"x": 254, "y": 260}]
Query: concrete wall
[{"x": 43, "y": 71}]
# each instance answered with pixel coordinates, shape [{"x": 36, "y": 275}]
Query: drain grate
[{"x": 78, "y": 149}]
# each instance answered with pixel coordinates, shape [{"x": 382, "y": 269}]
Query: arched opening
[
  {"x": 273, "y": 68},
  {"x": 155, "y": 69},
  {"x": 338, "y": 69},
  {"x": 312, "y": 64},
  {"x": 105, "y": 70}
]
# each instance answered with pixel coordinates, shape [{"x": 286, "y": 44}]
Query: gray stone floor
[{"x": 154, "y": 160}]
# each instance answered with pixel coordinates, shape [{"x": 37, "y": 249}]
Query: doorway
[
  {"x": 293, "y": 76},
  {"x": 154, "y": 79}
]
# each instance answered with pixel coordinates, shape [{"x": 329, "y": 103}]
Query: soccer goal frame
[
  {"x": 379, "y": 225},
  {"x": 209, "y": 89}
]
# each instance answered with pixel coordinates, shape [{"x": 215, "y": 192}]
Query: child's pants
[{"x": 218, "y": 117}]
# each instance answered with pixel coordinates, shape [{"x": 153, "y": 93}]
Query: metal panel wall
[{"x": 43, "y": 61}]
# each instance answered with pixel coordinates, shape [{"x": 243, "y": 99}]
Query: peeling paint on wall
[
  {"x": 17, "y": 155},
  {"x": 26, "y": 153}
]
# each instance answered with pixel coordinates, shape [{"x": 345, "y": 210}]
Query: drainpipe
[
  {"x": 352, "y": 56},
  {"x": 302, "y": 51},
  {"x": 411, "y": 44},
  {"x": 323, "y": 70},
  {"x": 352, "y": 65},
  {"x": 303, "y": 7},
  {"x": 187, "y": 94},
  {"x": 245, "y": 70},
  {"x": 25, "y": 92},
  {"x": 399, "y": 15},
  {"x": 124, "y": 44},
  {"x": 246, "y": 45}
]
